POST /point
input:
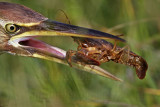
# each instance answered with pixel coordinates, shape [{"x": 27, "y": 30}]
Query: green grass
[{"x": 30, "y": 82}]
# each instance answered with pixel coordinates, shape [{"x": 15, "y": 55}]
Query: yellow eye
[{"x": 11, "y": 28}]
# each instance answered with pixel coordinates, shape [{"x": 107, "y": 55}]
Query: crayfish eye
[{"x": 11, "y": 28}]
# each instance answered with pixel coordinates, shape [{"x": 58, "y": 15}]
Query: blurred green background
[{"x": 31, "y": 82}]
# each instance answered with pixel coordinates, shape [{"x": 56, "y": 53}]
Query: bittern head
[{"x": 18, "y": 26}]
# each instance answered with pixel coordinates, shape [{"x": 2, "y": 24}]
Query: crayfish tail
[{"x": 141, "y": 68}]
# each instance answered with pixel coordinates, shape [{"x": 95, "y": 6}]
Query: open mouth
[{"x": 30, "y": 43}]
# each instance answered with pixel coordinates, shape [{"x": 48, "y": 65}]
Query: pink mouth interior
[{"x": 37, "y": 44}]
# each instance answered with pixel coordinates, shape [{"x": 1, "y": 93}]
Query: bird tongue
[{"x": 37, "y": 44}]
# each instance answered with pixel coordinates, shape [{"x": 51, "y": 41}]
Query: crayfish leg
[
  {"x": 124, "y": 50},
  {"x": 69, "y": 55},
  {"x": 115, "y": 43}
]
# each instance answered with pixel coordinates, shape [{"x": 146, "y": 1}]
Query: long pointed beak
[
  {"x": 24, "y": 43},
  {"x": 54, "y": 28}
]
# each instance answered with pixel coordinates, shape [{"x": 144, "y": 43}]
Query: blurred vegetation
[{"x": 30, "y": 82}]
